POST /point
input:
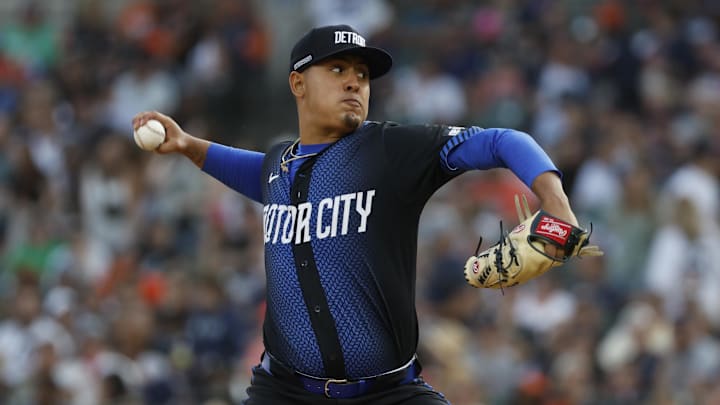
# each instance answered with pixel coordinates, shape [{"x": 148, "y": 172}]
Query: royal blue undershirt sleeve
[
  {"x": 238, "y": 169},
  {"x": 501, "y": 147}
]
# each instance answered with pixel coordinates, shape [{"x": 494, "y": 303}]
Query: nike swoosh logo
[{"x": 272, "y": 177}]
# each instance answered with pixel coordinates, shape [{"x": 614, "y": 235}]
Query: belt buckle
[{"x": 334, "y": 381}]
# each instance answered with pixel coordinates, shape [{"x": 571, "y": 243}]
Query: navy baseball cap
[{"x": 323, "y": 42}]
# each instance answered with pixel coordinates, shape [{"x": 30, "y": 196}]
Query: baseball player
[{"x": 341, "y": 206}]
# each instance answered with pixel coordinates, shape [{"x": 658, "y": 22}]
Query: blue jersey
[{"x": 341, "y": 238}]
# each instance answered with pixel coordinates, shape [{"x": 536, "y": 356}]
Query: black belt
[{"x": 341, "y": 388}]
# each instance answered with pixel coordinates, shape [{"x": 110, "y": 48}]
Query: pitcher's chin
[{"x": 352, "y": 121}]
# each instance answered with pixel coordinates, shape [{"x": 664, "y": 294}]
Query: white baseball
[{"x": 150, "y": 135}]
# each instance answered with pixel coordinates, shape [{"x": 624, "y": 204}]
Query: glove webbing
[{"x": 502, "y": 269}]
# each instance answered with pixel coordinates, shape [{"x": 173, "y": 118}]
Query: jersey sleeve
[
  {"x": 477, "y": 148},
  {"x": 238, "y": 169}
]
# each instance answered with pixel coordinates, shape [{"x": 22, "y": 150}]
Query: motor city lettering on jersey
[
  {"x": 292, "y": 224},
  {"x": 349, "y": 37}
]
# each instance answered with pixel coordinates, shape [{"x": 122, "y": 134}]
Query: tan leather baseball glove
[{"x": 520, "y": 255}]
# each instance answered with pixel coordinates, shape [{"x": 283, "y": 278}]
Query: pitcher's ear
[{"x": 297, "y": 84}]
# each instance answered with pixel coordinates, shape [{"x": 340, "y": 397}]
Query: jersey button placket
[
  {"x": 314, "y": 298},
  {"x": 301, "y": 180}
]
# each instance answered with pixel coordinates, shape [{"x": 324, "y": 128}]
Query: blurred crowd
[{"x": 133, "y": 278}]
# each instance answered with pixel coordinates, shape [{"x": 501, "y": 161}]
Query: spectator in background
[
  {"x": 561, "y": 76},
  {"x": 683, "y": 263},
  {"x": 23, "y": 336},
  {"x": 498, "y": 96},
  {"x": 131, "y": 365},
  {"x": 543, "y": 308},
  {"x": 31, "y": 41},
  {"x": 47, "y": 139},
  {"x": 632, "y": 350},
  {"x": 245, "y": 41},
  {"x": 694, "y": 367},
  {"x": 37, "y": 257},
  {"x": 174, "y": 197},
  {"x": 108, "y": 189},
  {"x": 598, "y": 190},
  {"x": 631, "y": 229},
  {"x": 215, "y": 335},
  {"x": 427, "y": 94},
  {"x": 697, "y": 181},
  {"x": 146, "y": 84},
  {"x": 367, "y": 16}
]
